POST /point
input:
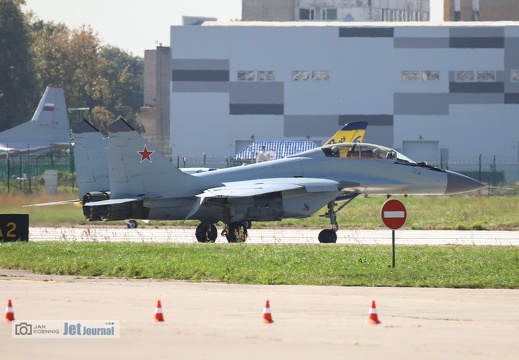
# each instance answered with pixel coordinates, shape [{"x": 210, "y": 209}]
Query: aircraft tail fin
[
  {"x": 90, "y": 157},
  {"x": 48, "y": 126},
  {"x": 351, "y": 132},
  {"x": 136, "y": 169},
  {"x": 52, "y": 110}
]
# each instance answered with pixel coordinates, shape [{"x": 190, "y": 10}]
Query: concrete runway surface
[
  {"x": 279, "y": 236},
  {"x": 223, "y": 321}
]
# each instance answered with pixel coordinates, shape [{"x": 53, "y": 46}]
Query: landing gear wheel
[
  {"x": 236, "y": 232},
  {"x": 327, "y": 236},
  {"x": 206, "y": 233},
  {"x": 132, "y": 224}
]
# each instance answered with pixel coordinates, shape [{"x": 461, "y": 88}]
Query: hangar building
[{"x": 438, "y": 92}]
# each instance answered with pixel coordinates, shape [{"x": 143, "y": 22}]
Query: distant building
[
  {"x": 335, "y": 10},
  {"x": 155, "y": 114},
  {"x": 481, "y": 10}
]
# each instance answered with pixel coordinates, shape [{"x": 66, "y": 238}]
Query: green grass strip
[{"x": 342, "y": 265}]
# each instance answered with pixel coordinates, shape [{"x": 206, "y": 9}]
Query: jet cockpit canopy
[{"x": 365, "y": 151}]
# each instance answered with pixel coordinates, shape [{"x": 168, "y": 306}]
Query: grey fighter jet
[{"x": 145, "y": 185}]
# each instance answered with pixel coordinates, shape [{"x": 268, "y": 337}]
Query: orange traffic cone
[
  {"x": 158, "y": 312},
  {"x": 373, "y": 316},
  {"x": 9, "y": 314},
  {"x": 267, "y": 316}
]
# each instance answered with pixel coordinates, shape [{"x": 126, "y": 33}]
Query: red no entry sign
[{"x": 393, "y": 214}]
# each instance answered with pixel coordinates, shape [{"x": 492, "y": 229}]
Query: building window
[
  {"x": 430, "y": 75},
  {"x": 515, "y": 75},
  {"x": 487, "y": 76},
  {"x": 420, "y": 75},
  {"x": 266, "y": 75},
  {"x": 306, "y": 14},
  {"x": 410, "y": 75},
  {"x": 465, "y": 76},
  {"x": 318, "y": 75},
  {"x": 479, "y": 76},
  {"x": 246, "y": 75},
  {"x": 300, "y": 75},
  {"x": 329, "y": 14}
]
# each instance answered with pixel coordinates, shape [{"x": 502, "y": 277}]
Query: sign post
[{"x": 394, "y": 215}]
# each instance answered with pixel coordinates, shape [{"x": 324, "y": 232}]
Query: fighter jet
[
  {"x": 90, "y": 155},
  {"x": 145, "y": 185},
  {"x": 48, "y": 127}
]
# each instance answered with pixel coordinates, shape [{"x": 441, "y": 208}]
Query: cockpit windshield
[{"x": 364, "y": 151}]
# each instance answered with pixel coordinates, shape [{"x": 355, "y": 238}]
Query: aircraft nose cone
[{"x": 458, "y": 183}]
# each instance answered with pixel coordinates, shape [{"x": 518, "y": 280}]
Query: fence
[{"x": 22, "y": 172}]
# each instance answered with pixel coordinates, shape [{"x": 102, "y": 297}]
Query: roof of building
[
  {"x": 355, "y": 24},
  {"x": 281, "y": 148}
]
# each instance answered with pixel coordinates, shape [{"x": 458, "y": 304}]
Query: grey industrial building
[{"x": 438, "y": 92}]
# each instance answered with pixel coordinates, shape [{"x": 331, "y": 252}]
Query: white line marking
[{"x": 394, "y": 214}]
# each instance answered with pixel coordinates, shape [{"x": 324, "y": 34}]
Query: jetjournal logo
[{"x": 72, "y": 329}]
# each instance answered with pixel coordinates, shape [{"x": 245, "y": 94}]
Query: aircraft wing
[
  {"x": 265, "y": 186},
  {"x": 242, "y": 189},
  {"x": 52, "y": 203}
]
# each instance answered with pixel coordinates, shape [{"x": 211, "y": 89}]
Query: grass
[
  {"x": 424, "y": 213},
  {"x": 342, "y": 265}
]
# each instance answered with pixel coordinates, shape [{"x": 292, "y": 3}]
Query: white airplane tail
[
  {"x": 49, "y": 125},
  {"x": 137, "y": 170},
  {"x": 90, "y": 149}
]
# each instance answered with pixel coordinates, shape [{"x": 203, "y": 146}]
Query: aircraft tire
[
  {"x": 206, "y": 233},
  {"x": 327, "y": 236},
  {"x": 237, "y": 232},
  {"x": 132, "y": 224}
]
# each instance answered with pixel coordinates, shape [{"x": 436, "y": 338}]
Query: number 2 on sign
[{"x": 11, "y": 230}]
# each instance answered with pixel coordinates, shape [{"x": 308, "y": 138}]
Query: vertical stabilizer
[
  {"x": 351, "y": 132},
  {"x": 90, "y": 157},
  {"x": 52, "y": 110},
  {"x": 136, "y": 169},
  {"x": 48, "y": 126}
]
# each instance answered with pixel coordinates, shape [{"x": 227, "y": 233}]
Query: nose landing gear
[{"x": 328, "y": 236}]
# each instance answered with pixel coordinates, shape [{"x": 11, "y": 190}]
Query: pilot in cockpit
[{"x": 391, "y": 155}]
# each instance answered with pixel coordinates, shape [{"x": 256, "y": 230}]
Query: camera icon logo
[{"x": 23, "y": 328}]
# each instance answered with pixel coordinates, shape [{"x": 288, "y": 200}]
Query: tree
[
  {"x": 18, "y": 96},
  {"x": 124, "y": 74},
  {"x": 103, "y": 78},
  {"x": 50, "y": 46}
]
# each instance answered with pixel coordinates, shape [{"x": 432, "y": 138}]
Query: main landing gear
[
  {"x": 234, "y": 232},
  {"x": 206, "y": 233},
  {"x": 329, "y": 236}
]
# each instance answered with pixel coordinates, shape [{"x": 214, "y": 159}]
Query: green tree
[
  {"x": 18, "y": 96},
  {"x": 124, "y": 73},
  {"x": 103, "y": 78},
  {"x": 50, "y": 47}
]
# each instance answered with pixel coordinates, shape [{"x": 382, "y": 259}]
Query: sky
[{"x": 132, "y": 25}]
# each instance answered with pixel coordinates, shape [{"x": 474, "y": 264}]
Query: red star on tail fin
[{"x": 145, "y": 154}]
